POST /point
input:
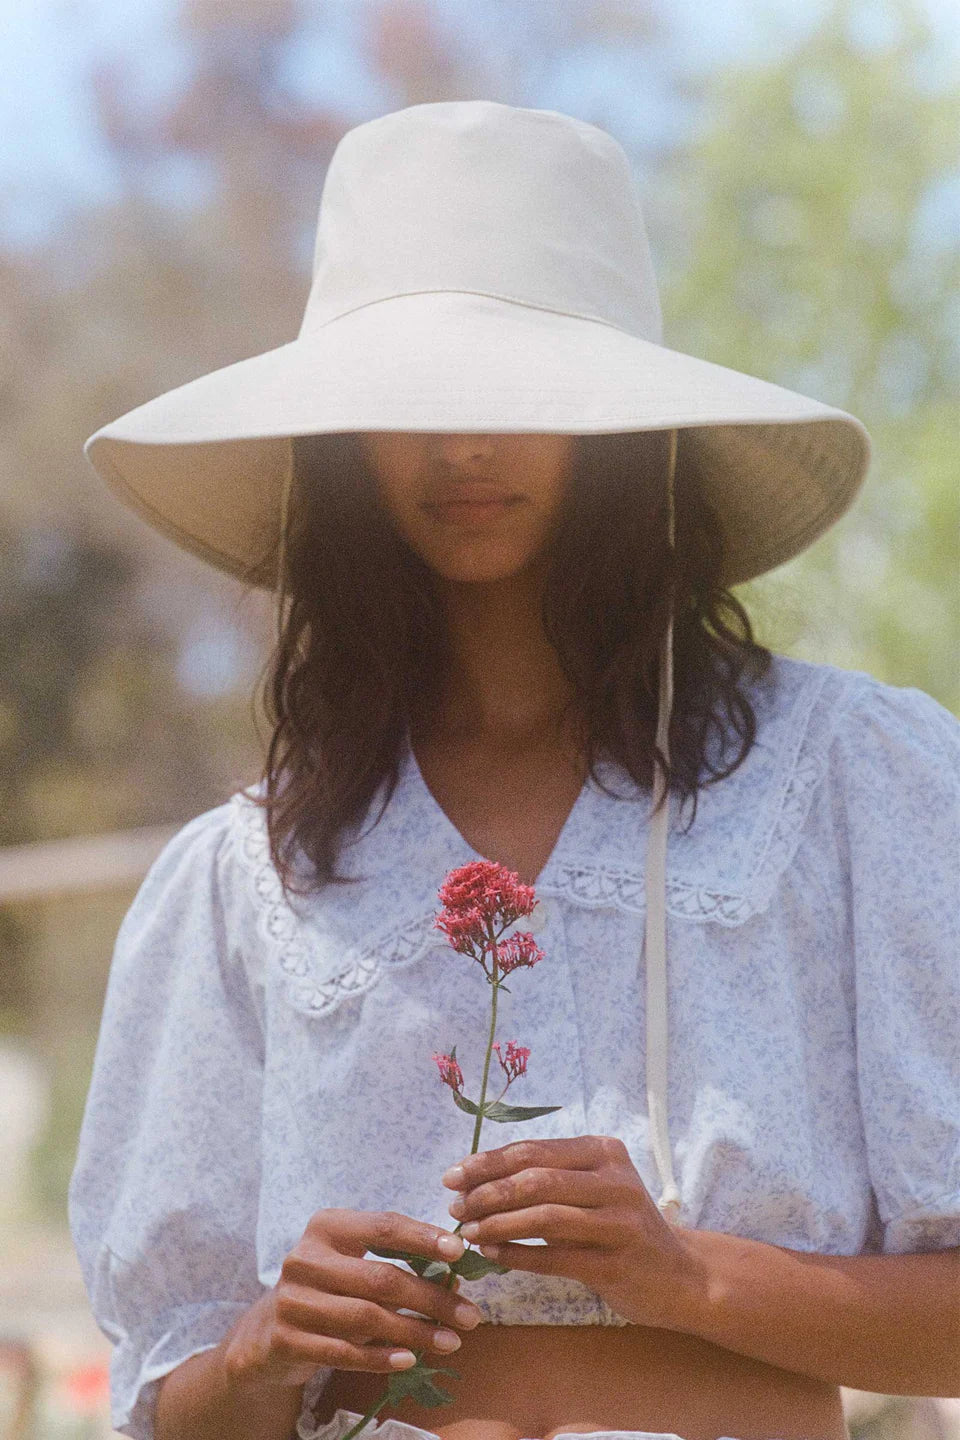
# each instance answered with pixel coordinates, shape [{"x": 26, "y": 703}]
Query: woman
[{"x": 505, "y": 520}]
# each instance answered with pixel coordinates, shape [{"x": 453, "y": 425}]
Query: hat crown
[{"x": 473, "y": 195}]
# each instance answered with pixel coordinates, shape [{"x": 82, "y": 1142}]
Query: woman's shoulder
[
  {"x": 870, "y": 782},
  {"x": 213, "y": 878},
  {"x": 825, "y": 737},
  {"x": 812, "y": 707},
  {"x": 185, "y": 931},
  {"x": 199, "y": 870},
  {"x": 192, "y": 858},
  {"x": 223, "y": 851},
  {"x": 865, "y": 729}
]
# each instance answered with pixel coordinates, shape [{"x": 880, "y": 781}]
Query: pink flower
[
  {"x": 450, "y": 1072},
  {"x": 489, "y": 889},
  {"x": 517, "y": 949},
  {"x": 464, "y": 929},
  {"x": 516, "y": 1059}
]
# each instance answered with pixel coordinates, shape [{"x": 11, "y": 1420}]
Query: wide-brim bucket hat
[
  {"x": 482, "y": 267},
  {"x": 478, "y": 267}
]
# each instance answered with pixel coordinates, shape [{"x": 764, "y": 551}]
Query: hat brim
[{"x": 205, "y": 463}]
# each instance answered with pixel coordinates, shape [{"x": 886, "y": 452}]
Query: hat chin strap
[
  {"x": 656, "y": 907},
  {"x": 280, "y": 582}
]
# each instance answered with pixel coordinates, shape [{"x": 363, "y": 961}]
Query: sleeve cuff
[
  {"x": 933, "y": 1226},
  {"x": 136, "y": 1369}
]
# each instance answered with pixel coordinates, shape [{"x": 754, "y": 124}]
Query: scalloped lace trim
[
  {"x": 606, "y": 885},
  {"x": 598, "y": 885},
  {"x": 283, "y": 935},
  {"x": 282, "y": 932}
]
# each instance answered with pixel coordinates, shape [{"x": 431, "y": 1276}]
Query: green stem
[
  {"x": 493, "y": 1029},
  {"x": 486, "y": 1071},
  {"x": 451, "y": 1276}
]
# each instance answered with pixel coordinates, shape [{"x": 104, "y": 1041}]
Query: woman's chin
[
  {"x": 478, "y": 572},
  {"x": 477, "y": 564}
]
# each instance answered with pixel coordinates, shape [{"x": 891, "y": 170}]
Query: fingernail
[
  {"x": 467, "y": 1315},
  {"x": 446, "y": 1340},
  {"x": 401, "y": 1359},
  {"x": 450, "y": 1245},
  {"x": 453, "y": 1178}
]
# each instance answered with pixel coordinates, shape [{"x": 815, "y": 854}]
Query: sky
[{"x": 51, "y": 159}]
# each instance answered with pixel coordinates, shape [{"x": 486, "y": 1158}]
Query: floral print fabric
[{"x": 258, "y": 1061}]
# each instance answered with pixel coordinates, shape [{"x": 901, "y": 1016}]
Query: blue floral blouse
[{"x": 259, "y": 1061}]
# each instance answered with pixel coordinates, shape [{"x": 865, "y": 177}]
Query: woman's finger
[
  {"x": 349, "y": 1317},
  {"x": 557, "y": 1224},
  {"x": 584, "y": 1188},
  {"x": 344, "y": 1355},
  {"x": 390, "y": 1286}
]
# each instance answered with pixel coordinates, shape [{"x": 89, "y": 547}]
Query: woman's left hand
[{"x": 582, "y": 1196}]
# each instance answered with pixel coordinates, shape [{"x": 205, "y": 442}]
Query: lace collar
[{"x": 724, "y": 869}]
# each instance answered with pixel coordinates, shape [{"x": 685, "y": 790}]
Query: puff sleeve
[
  {"x": 163, "y": 1197},
  {"x": 898, "y": 818}
]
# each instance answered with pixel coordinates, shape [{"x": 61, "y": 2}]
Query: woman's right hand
[{"x": 332, "y": 1307}]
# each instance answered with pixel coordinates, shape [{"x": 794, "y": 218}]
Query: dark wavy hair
[{"x": 363, "y": 646}]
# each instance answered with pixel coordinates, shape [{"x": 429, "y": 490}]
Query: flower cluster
[
  {"x": 515, "y": 1061},
  {"x": 464, "y": 929},
  {"x": 517, "y": 949},
  {"x": 487, "y": 892},
  {"x": 479, "y": 901},
  {"x": 450, "y": 1072}
]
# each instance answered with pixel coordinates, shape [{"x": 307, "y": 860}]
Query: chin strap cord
[
  {"x": 656, "y": 908},
  {"x": 281, "y": 576}
]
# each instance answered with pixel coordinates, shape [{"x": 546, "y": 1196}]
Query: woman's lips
[{"x": 463, "y": 509}]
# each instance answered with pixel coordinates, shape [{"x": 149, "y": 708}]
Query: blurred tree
[
  {"x": 92, "y": 736},
  {"x": 817, "y": 259},
  {"x": 54, "y": 599}
]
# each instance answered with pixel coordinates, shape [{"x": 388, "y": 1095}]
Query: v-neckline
[{"x": 460, "y": 842}]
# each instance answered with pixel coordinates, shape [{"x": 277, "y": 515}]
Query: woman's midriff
[{"x": 536, "y": 1377}]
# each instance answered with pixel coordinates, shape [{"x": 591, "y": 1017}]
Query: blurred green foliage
[
  {"x": 822, "y": 257},
  {"x": 57, "y": 599}
]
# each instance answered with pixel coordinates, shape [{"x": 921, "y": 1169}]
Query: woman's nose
[{"x": 461, "y": 449}]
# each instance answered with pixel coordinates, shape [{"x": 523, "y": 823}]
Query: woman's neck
[{"x": 505, "y": 678}]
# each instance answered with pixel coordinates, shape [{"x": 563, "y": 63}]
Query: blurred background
[{"x": 161, "y": 166}]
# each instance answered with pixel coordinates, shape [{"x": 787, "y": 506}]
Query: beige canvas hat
[{"x": 481, "y": 267}]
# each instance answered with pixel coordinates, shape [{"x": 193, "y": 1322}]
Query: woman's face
[{"x": 473, "y": 506}]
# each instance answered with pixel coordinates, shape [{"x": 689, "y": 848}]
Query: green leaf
[
  {"x": 431, "y": 1395},
  {"x": 473, "y": 1266},
  {"x": 496, "y": 1111},
  {"x": 416, "y": 1383},
  {"x": 433, "y": 1270},
  {"x": 469, "y": 1105}
]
